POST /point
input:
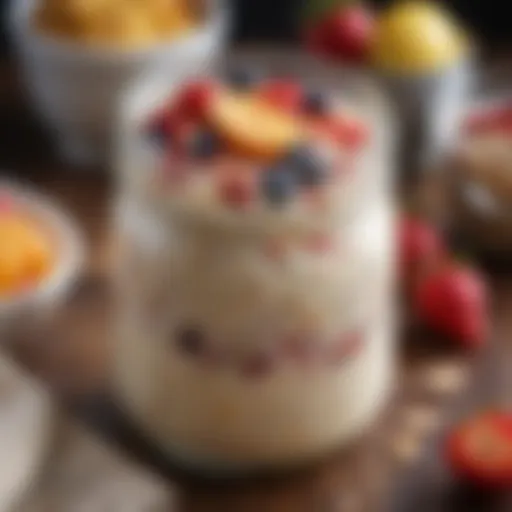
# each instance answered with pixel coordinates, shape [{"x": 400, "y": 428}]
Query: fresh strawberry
[
  {"x": 419, "y": 245},
  {"x": 349, "y": 134},
  {"x": 349, "y": 32},
  {"x": 316, "y": 40},
  {"x": 285, "y": 94},
  {"x": 453, "y": 299},
  {"x": 195, "y": 99},
  {"x": 480, "y": 450}
]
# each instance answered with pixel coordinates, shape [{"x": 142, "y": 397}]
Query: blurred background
[{"x": 276, "y": 20}]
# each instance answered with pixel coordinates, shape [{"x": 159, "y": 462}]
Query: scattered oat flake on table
[
  {"x": 421, "y": 418},
  {"x": 347, "y": 502},
  {"x": 445, "y": 378},
  {"x": 406, "y": 447},
  {"x": 275, "y": 249}
]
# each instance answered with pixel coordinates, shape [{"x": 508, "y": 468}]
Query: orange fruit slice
[
  {"x": 26, "y": 254},
  {"x": 253, "y": 128},
  {"x": 12, "y": 267}
]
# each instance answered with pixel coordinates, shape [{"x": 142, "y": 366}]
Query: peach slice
[{"x": 253, "y": 128}]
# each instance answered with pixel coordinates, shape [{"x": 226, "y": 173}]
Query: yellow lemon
[{"x": 417, "y": 37}]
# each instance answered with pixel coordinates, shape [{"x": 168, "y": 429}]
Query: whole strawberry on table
[
  {"x": 452, "y": 299},
  {"x": 448, "y": 296},
  {"x": 479, "y": 450}
]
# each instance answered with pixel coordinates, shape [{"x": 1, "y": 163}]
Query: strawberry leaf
[
  {"x": 318, "y": 9},
  {"x": 462, "y": 257}
]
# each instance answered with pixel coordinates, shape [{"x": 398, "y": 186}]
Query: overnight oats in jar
[{"x": 256, "y": 278}]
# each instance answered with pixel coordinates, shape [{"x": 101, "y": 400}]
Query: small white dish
[
  {"x": 38, "y": 303},
  {"x": 75, "y": 88}
]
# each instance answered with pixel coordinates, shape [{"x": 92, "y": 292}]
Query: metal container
[{"x": 429, "y": 109}]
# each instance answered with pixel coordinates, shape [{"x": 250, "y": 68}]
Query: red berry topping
[
  {"x": 454, "y": 300},
  {"x": 346, "y": 347},
  {"x": 419, "y": 245},
  {"x": 195, "y": 99},
  {"x": 258, "y": 365},
  {"x": 236, "y": 191},
  {"x": 349, "y": 33},
  {"x": 348, "y": 133},
  {"x": 285, "y": 94},
  {"x": 353, "y": 135},
  {"x": 301, "y": 349}
]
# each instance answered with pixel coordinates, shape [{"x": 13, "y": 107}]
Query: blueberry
[
  {"x": 243, "y": 78},
  {"x": 308, "y": 166},
  {"x": 204, "y": 144},
  {"x": 278, "y": 185},
  {"x": 316, "y": 102},
  {"x": 190, "y": 340}
]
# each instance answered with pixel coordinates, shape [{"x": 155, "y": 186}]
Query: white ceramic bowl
[
  {"x": 38, "y": 304},
  {"x": 75, "y": 89}
]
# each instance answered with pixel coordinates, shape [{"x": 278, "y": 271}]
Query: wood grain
[{"x": 395, "y": 466}]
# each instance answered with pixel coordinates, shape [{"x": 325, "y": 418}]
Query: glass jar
[{"x": 254, "y": 341}]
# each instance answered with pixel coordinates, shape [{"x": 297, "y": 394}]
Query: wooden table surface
[{"x": 395, "y": 467}]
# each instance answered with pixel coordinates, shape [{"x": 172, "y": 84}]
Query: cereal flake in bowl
[
  {"x": 41, "y": 255},
  {"x": 78, "y": 65}
]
